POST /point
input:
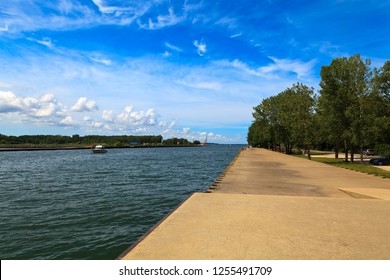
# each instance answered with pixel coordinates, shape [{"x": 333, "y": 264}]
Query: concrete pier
[{"x": 268, "y": 205}]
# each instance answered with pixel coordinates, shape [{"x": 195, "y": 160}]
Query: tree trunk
[
  {"x": 361, "y": 153},
  {"x": 346, "y": 150},
  {"x": 336, "y": 150},
  {"x": 308, "y": 152},
  {"x": 352, "y": 153}
]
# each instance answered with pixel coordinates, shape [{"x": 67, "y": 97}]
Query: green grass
[{"x": 356, "y": 166}]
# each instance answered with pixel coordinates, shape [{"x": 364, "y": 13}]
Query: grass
[{"x": 356, "y": 166}]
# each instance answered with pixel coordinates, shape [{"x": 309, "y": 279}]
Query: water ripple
[{"x": 76, "y": 205}]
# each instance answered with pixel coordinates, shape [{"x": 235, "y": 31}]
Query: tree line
[
  {"x": 90, "y": 140},
  {"x": 350, "y": 112},
  {"x": 121, "y": 140}
]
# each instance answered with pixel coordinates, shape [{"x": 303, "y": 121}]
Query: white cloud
[
  {"x": 172, "y": 124},
  {"x": 84, "y": 105},
  {"x": 173, "y": 47},
  {"x": 107, "y": 115},
  {"x": 97, "y": 124},
  {"x": 134, "y": 118},
  {"x": 197, "y": 135},
  {"x": 103, "y": 8},
  {"x": 186, "y": 93},
  {"x": 162, "y": 21},
  {"x": 4, "y": 28},
  {"x": 236, "y": 35},
  {"x": 242, "y": 66},
  {"x": 46, "y": 110},
  {"x": 278, "y": 67},
  {"x": 186, "y": 130},
  {"x": 33, "y": 15},
  {"x": 201, "y": 47},
  {"x": 126, "y": 11},
  {"x": 46, "y": 41},
  {"x": 167, "y": 54},
  {"x": 67, "y": 121},
  {"x": 47, "y": 98},
  {"x": 45, "y": 106},
  {"x": 67, "y": 15},
  {"x": 302, "y": 69},
  {"x": 9, "y": 102},
  {"x": 104, "y": 61},
  {"x": 209, "y": 85},
  {"x": 107, "y": 127}
]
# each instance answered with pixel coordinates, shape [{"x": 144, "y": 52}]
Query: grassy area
[{"x": 357, "y": 166}]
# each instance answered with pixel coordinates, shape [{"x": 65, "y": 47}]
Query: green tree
[
  {"x": 299, "y": 115},
  {"x": 285, "y": 119},
  {"x": 259, "y": 134},
  {"x": 379, "y": 103},
  {"x": 344, "y": 88}
]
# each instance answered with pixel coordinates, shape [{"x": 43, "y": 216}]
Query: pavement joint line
[{"x": 357, "y": 195}]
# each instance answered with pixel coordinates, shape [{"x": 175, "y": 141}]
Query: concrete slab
[
  {"x": 268, "y": 205},
  {"x": 259, "y": 171},
  {"x": 368, "y": 193},
  {"x": 236, "y": 226}
]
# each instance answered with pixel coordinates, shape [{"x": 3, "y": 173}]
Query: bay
[{"x": 77, "y": 205}]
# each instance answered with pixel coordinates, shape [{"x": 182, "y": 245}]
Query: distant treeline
[{"x": 77, "y": 140}]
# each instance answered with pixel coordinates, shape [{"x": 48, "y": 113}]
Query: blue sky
[{"x": 173, "y": 68}]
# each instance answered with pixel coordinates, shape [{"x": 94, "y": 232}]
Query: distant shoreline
[{"x": 16, "y": 149}]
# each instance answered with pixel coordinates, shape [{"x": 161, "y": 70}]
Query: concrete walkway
[
  {"x": 259, "y": 171},
  {"x": 268, "y": 205}
]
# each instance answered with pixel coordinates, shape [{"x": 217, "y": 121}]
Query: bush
[{"x": 382, "y": 149}]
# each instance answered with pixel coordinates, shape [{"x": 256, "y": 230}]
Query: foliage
[
  {"x": 352, "y": 105},
  {"x": 352, "y": 109},
  {"x": 77, "y": 140},
  {"x": 176, "y": 141},
  {"x": 382, "y": 149},
  {"x": 287, "y": 118}
]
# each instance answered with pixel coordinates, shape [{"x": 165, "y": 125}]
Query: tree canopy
[{"x": 352, "y": 109}]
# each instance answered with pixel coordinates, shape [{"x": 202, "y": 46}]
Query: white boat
[{"x": 99, "y": 149}]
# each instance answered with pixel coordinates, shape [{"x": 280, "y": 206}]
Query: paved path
[
  {"x": 259, "y": 171},
  {"x": 232, "y": 226},
  {"x": 273, "y": 206}
]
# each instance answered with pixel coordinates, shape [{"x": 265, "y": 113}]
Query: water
[{"x": 79, "y": 205}]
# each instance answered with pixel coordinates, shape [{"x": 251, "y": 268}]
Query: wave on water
[{"x": 78, "y": 205}]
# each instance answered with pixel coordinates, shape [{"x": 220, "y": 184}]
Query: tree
[
  {"x": 287, "y": 118},
  {"x": 299, "y": 115},
  {"x": 344, "y": 86},
  {"x": 379, "y": 101},
  {"x": 259, "y": 134}
]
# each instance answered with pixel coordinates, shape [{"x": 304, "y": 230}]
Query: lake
[{"x": 77, "y": 205}]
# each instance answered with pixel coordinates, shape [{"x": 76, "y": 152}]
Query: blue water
[{"x": 78, "y": 205}]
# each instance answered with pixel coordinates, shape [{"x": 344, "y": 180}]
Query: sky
[{"x": 186, "y": 68}]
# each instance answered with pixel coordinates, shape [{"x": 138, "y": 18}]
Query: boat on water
[{"x": 99, "y": 149}]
